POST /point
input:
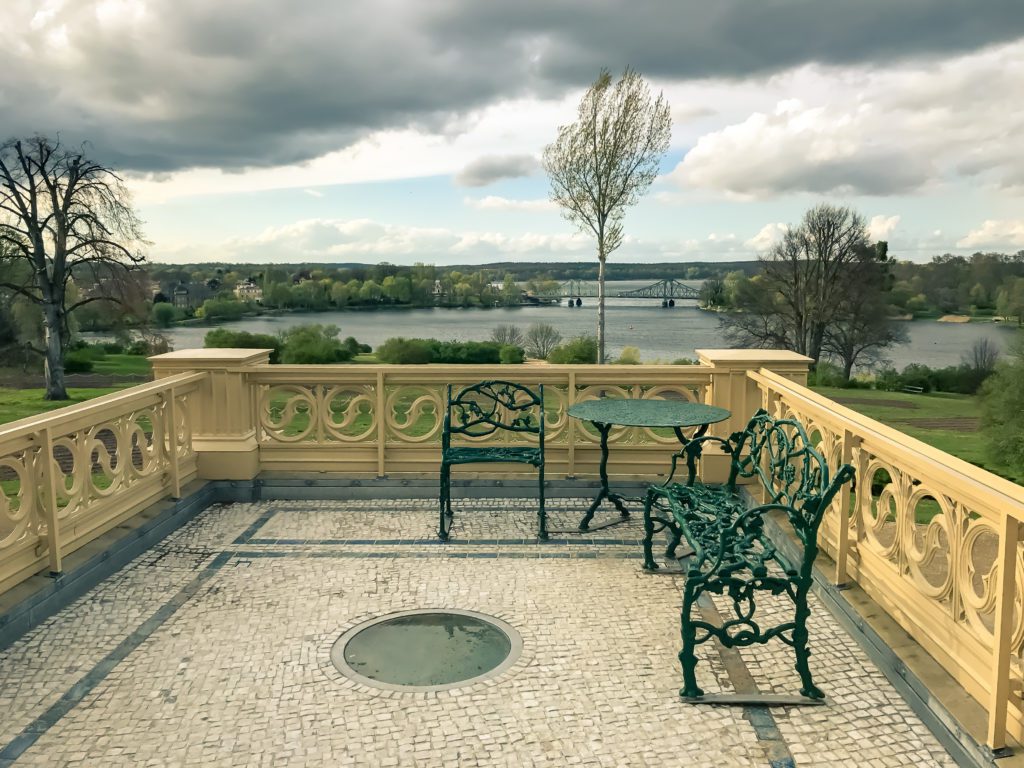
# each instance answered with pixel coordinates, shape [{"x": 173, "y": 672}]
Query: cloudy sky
[{"x": 403, "y": 130}]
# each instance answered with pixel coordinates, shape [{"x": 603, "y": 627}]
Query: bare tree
[
  {"x": 506, "y": 333},
  {"x": 600, "y": 165},
  {"x": 541, "y": 338},
  {"x": 821, "y": 275},
  {"x": 982, "y": 357},
  {"x": 861, "y": 328},
  {"x": 63, "y": 217}
]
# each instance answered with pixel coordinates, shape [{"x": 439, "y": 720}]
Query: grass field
[
  {"x": 122, "y": 365},
  {"x": 18, "y": 403},
  {"x": 948, "y": 422}
]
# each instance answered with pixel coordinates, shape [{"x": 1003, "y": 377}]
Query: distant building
[
  {"x": 189, "y": 296},
  {"x": 249, "y": 290}
]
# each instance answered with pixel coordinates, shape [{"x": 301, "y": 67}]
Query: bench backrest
[
  {"x": 793, "y": 474},
  {"x": 485, "y": 408}
]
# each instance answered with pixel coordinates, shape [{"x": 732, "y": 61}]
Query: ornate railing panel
[
  {"x": 932, "y": 539},
  {"x": 69, "y": 476},
  {"x": 389, "y": 418}
]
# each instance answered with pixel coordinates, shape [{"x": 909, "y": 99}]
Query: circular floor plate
[{"x": 427, "y": 650}]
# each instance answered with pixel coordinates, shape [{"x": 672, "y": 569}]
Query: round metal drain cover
[{"x": 426, "y": 650}]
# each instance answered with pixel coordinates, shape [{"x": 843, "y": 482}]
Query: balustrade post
[
  {"x": 223, "y": 409},
  {"x": 49, "y": 499},
  {"x": 1006, "y": 591},
  {"x": 570, "y": 400},
  {"x": 382, "y": 426},
  {"x": 171, "y": 441},
  {"x": 850, "y": 442},
  {"x": 732, "y": 389}
]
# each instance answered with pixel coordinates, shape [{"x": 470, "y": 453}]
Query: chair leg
[
  {"x": 687, "y": 657},
  {"x": 809, "y": 689},
  {"x": 649, "y": 564},
  {"x": 445, "y": 503},
  {"x": 542, "y": 514}
]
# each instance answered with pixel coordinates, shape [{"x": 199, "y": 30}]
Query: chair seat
[{"x": 473, "y": 455}]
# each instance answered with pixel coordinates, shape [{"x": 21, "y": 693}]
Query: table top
[{"x": 647, "y": 413}]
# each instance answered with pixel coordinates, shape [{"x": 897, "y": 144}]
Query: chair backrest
[
  {"x": 483, "y": 409},
  {"x": 792, "y": 472}
]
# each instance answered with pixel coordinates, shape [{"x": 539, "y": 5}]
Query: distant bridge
[{"x": 666, "y": 290}]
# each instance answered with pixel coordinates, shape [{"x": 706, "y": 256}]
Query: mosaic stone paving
[{"x": 213, "y": 648}]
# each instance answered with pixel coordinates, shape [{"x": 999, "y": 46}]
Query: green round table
[{"x": 608, "y": 412}]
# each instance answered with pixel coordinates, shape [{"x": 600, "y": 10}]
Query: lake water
[{"x": 660, "y": 334}]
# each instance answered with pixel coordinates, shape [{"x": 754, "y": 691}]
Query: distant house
[
  {"x": 189, "y": 296},
  {"x": 249, "y": 290}
]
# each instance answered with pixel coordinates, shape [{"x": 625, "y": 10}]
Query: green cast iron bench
[
  {"x": 732, "y": 555},
  {"x": 479, "y": 412}
]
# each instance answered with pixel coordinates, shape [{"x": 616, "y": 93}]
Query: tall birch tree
[{"x": 602, "y": 164}]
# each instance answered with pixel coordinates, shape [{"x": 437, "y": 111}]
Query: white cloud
[
  {"x": 882, "y": 227},
  {"x": 995, "y": 234},
  {"x": 767, "y": 236},
  {"x": 495, "y": 203},
  {"x": 865, "y": 131},
  {"x": 313, "y": 192},
  {"x": 365, "y": 240}
]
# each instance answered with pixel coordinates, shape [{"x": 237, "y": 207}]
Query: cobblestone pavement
[{"x": 213, "y": 648}]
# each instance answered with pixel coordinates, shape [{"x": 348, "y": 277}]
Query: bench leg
[
  {"x": 445, "y": 502},
  {"x": 810, "y": 690},
  {"x": 542, "y": 532},
  {"x": 649, "y": 564},
  {"x": 687, "y": 657}
]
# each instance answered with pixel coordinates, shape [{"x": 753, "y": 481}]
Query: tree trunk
[
  {"x": 847, "y": 369},
  {"x": 54, "y": 363},
  {"x": 600, "y": 309}
]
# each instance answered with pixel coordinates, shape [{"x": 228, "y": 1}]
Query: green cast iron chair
[{"x": 480, "y": 412}]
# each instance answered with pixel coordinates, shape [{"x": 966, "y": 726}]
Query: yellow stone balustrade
[
  {"x": 68, "y": 476},
  {"x": 931, "y": 539}
]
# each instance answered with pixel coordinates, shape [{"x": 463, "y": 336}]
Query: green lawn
[
  {"x": 18, "y": 403},
  {"x": 122, "y": 365},
  {"x": 965, "y": 443}
]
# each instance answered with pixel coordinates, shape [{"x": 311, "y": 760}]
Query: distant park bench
[{"x": 912, "y": 390}]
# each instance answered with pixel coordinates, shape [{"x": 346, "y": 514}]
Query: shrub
[
  {"x": 401, "y": 351},
  {"x": 629, "y": 356},
  {"x": 684, "y": 361},
  {"x": 580, "y": 350},
  {"x": 511, "y": 354},
  {"x": 466, "y": 352},
  {"x": 163, "y": 314},
  {"x": 113, "y": 347},
  {"x": 223, "y": 338},
  {"x": 826, "y": 375},
  {"x": 221, "y": 309},
  {"x": 78, "y": 361},
  {"x": 507, "y": 334},
  {"x": 139, "y": 347},
  {"x": 313, "y": 343},
  {"x": 1002, "y": 410}
]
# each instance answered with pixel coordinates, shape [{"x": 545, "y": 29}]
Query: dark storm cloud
[
  {"x": 490, "y": 168},
  {"x": 159, "y": 85}
]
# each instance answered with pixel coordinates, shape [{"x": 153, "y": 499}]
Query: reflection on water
[
  {"x": 427, "y": 649},
  {"x": 660, "y": 334}
]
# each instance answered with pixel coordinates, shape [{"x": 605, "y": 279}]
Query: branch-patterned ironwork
[
  {"x": 479, "y": 411},
  {"x": 732, "y": 555}
]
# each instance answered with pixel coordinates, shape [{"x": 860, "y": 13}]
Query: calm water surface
[{"x": 660, "y": 334}]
